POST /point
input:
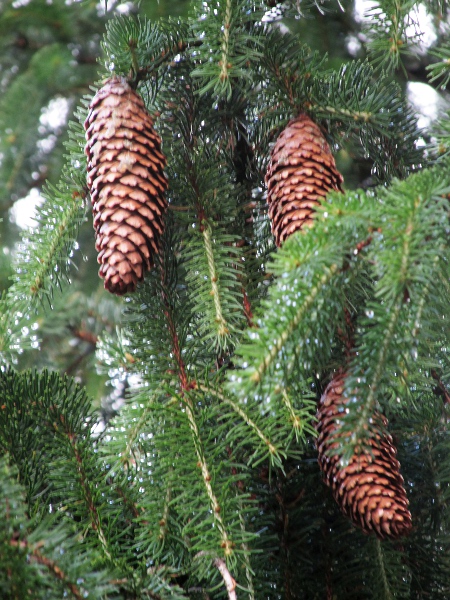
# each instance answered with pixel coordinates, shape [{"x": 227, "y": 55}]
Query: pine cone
[
  {"x": 300, "y": 173},
  {"x": 370, "y": 489},
  {"x": 127, "y": 184}
]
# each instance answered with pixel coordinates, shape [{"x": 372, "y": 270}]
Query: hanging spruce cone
[
  {"x": 300, "y": 173},
  {"x": 127, "y": 184},
  {"x": 370, "y": 489}
]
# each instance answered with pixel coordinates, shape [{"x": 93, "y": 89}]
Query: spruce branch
[
  {"x": 141, "y": 47},
  {"x": 386, "y": 25},
  {"x": 379, "y": 364},
  {"x": 158, "y": 318},
  {"x": 274, "y": 452},
  {"x": 215, "y": 267},
  {"x": 59, "y": 408},
  {"x": 226, "y": 543},
  {"x": 85, "y": 484},
  {"x": 258, "y": 372},
  {"x": 440, "y": 70},
  {"x": 229, "y": 44},
  {"x": 165, "y": 516},
  {"x": 173, "y": 332},
  {"x": 230, "y": 583},
  {"x": 370, "y": 108},
  {"x": 42, "y": 261},
  {"x": 248, "y": 570},
  {"x": 354, "y": 95},
  {"x": 310, "y": 266},
  {"x": 35, "y": 555},
  {"x": 13, "y": 324},
  {"x": 224, "y": 62},
  {"x": 200, "y": 177},
  {"x": 403, "y": 284},
  {"x": 441, "y": 387},
  {"x": 222, "y": 328},
  {"x": 228, "y": 580},
  {"x": 297, "y": 423},
  {"x": 386, "y": 586},
  {"x": 287, "y": 66},
  {"x": 133, "y": 435},
  {"x": 45, "y": 256}
]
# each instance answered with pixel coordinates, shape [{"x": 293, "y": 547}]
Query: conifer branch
[
  {"x": 11, "y": 324},
  {"x": 387, "y": 588},
  {"x": 385, "y": 31},
  {"x": 230, "y": 583},
  {"x": 381, "y": 358},
  {"x": 226, "y": 543},
  {"x": 229, "y": 45},
  {"x": 134, "y": 433},
  {"x": 173, "y": 332},
  {"x": 55, "y": 244},
  {"x": 441, "y": 388},
  {"x": 145, "y": 46},
  {"x": 225, "y": 64},
  {"x": 221, "y": 324},
  {"x": 44, "y": 255},
  {"x": 163, "y": 523},
  {"x": 273, "y": 451},
  {"x": 51, "y": 566},
  {"x": 440, "y": 69},
  {"x": 88, "y": 496},
  {"x": 356, "y": 115},
  {"x": 278, "y": 344},
  {"x": 426, "y": 289},
  {"x": 215, "y": 287},
  {"x": 359, "y": 428},
  {"x": 297, "y": 424},
  {"x": 127, "y": 501},
  {"x": 246, "y": 549}
]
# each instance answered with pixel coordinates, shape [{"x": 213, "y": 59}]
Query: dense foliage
[{"x": 197, "y": 476}]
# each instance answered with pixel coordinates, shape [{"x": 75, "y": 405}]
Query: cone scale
[
  {"x": 127, "y": 183},
  {"x": 300, "y": 173},
  {"x": 370, "y": 489}
]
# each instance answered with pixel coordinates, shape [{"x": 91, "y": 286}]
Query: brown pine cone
[
  {"x": 300, "y": 173},
  {"x": 126, "y": 181},
  {"x": 370, "y": 489}
]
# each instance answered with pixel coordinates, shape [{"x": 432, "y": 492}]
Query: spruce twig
[{"x": 52, "y": 567}]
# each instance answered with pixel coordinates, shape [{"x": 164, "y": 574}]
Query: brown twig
[
  {"x": 84, "y": 335},
  {"x": 165, "y": 56},
  {"x": 72, "y": 368},
  {"x": 248, "y": 309},
  {"x": 168, "y": 313},
  {"x": 36, "y": 556},
  {"x": 230, "y": 582},
  {"x": 441, "y": 390},
  {"x": 128, "y": 502}
]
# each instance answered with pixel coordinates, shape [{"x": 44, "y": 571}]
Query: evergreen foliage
[{"x": 205, "y": 482}]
